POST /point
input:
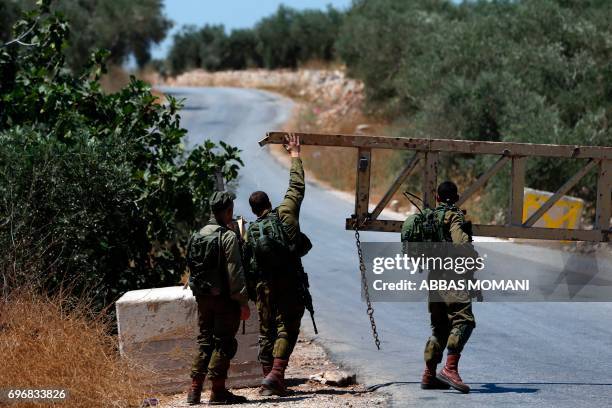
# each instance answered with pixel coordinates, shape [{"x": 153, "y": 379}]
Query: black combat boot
[
  {"x": 450, "y": 374},
  {"x": 195, "y": 392},
  {"x": 429, "y": 380},
  {"x": 219, "y": 395},
  {"x": 274, "y": 383}
]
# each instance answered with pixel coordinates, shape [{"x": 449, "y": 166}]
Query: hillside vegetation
[
  {"x": 525, "y": 71},
  {"x": 285, "y": 39}
]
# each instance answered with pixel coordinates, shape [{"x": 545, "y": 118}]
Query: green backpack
[
  {"x": 271, "y": 248},
  {"x": 425, "y": 226},
  {"x": 205, "y": 259}
]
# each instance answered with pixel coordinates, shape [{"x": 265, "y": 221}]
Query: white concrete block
[{"x": 158, "y": 329}]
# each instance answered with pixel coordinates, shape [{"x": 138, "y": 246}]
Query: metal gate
[{"x": 595, "y": 158}]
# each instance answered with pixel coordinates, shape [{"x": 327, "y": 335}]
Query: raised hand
[{"x": 292, "y": 144}]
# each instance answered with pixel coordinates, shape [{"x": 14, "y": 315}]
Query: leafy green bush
[
  {"x": 526, "y": 71},
  {"x": 96, "y": 190}
]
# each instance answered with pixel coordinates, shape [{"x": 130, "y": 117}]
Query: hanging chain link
[{"x": 364, "y": 284}]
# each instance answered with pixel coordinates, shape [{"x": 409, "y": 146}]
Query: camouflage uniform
[
  {"x": 452, "y": 320},
  {"x": 219, "y": 315},
  {"x": 279, "y": 304}
]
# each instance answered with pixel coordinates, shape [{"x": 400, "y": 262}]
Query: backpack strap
[
  {"x": 221, "y": 261},
  {"x": 250, "y": 236},
  {"x": 280, "y": 232},
  {"x": 261, "y": 228},
  {"x": 274, "y": 225},
  {"x": 221, "y": 254}
]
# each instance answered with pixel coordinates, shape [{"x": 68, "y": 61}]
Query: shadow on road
[
  {"x": 492, "y": 388},
  {"x": 327, "y": 391},
  {"x": 284, "y": 399}
]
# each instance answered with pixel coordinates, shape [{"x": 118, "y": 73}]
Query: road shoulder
[{"x": 309, "y": 358}]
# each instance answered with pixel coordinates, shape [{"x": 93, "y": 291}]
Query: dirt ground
[{"x": 308, "y": 358}]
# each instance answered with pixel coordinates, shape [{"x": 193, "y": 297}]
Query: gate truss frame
[{"x": 427, "y": 152}]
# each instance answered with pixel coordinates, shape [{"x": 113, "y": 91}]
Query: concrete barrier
[{"x": 158, "y": 329}]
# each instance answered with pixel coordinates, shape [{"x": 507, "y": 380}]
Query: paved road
[{"x": 521, "y": 354}]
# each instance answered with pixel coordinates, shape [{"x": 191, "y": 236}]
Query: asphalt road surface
[{"x": 520, "y": 354}]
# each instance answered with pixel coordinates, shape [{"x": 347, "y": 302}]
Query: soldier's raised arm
[{"x": 289, "y": 209}]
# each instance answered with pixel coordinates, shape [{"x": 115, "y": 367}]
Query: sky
[{"x": 231, "y": 13}]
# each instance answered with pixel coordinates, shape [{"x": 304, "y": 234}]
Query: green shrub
[
  {"x": 96, "y": 191},
  {"x": 525, "y": 71}
]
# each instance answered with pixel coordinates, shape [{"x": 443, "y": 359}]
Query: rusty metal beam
[
  {"x": 517, "y": 190},
  {"x": 563, "y": 190},
  {"x": 445, "y": 145},
  {"x": 429, "y": 149},
  {"x": 362, "y": 188},
  {"x": 500, "y": 231},
  {"x": 604, "y": 195},
  {"x": 486, "y": 176},
  {"x": 430, "y": 179},
  {"x": 401, "y": 178}
]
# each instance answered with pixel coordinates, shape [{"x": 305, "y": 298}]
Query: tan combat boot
[
  {"x": 195, "y": 392},
  {"x": 429, "y": 380},
  {"x": 450, "y": 374},
  {"x": 219, "y": 395},
  {"x": 274, "y": 383}
]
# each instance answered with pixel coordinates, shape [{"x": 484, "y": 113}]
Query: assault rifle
[{"x": 305, "y": 293}]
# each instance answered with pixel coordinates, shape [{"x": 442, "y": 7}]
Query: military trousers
[
  {"x": 452, "y": 322},
  {"x": 218, "y": 321},
  {"x": 280, "y": 311}
]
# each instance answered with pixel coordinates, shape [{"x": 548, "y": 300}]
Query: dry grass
[{"x": 50, "y": 343}]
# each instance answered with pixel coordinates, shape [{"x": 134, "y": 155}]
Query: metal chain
[{"x": 364, "y": 284}]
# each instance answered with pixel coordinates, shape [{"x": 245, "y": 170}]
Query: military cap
[{"x": 221, "y": 200}]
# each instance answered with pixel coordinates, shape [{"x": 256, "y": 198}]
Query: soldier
[
  {"x": 277, "y": 244},
  {"x": 218, "y": 283},
  {"x": 452, "y": 320}
]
